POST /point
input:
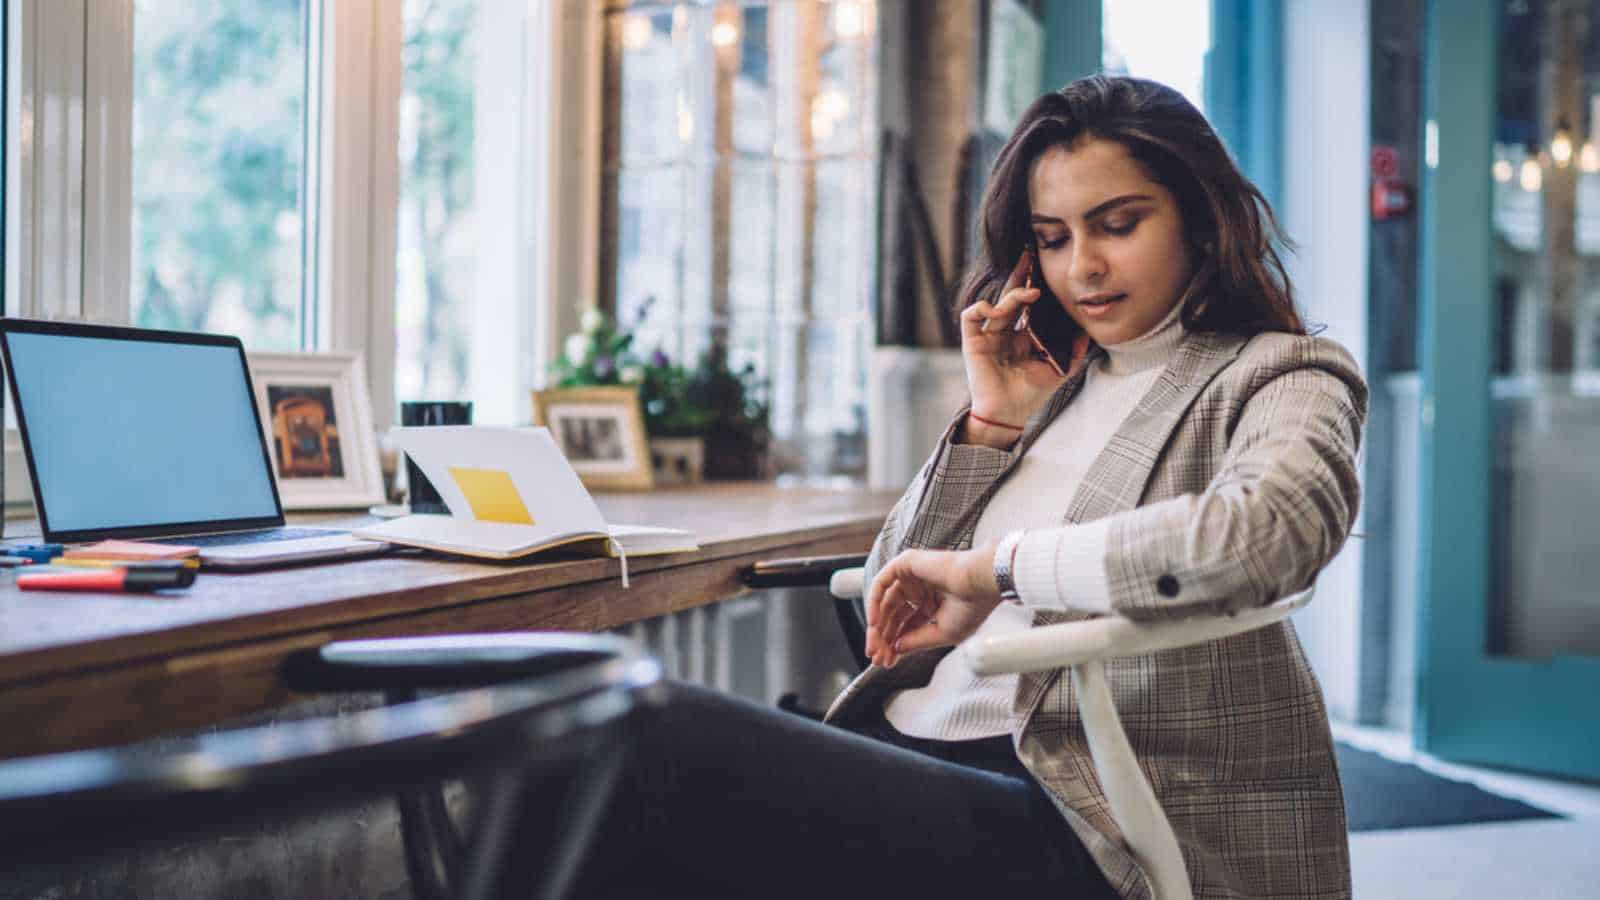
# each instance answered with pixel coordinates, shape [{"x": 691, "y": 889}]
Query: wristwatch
[{"x": 1005, "y": 558}]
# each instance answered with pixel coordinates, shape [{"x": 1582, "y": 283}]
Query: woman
[{"x": 1196, "y": 452}]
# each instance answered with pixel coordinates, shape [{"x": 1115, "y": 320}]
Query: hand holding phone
[{"x": 1011, "y": 370}]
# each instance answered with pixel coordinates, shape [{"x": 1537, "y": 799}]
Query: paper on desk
[{"x": 513, "y": 475}]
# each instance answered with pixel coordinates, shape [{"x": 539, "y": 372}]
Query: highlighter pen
[
  {"x": 85, "y": 562},
  {"x": 106, "y": 580}
]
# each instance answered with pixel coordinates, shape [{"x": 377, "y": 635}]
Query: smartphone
[{"x": 1049, "y": 327}]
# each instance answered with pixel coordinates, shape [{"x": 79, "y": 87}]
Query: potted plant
[
  {"x": 732, "y": 401},
  {"x": 708, "y": 419}
]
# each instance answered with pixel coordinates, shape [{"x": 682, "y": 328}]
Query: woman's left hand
[{"x": 929, "y": 598}]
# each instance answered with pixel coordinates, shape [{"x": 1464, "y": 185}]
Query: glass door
[{"x": 1509, "y": 656}]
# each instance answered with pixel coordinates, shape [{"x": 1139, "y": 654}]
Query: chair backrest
[
  {"x": 1083, "y": 647},
  {"x": 563, "y": 705}
]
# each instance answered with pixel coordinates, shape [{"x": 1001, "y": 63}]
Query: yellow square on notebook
[{"x": 491, "y": 495}]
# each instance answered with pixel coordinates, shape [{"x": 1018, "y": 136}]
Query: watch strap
[{"x": 1005, "y": 560}]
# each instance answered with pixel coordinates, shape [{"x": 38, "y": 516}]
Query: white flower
[
  {"x": 577, "y": 348},
  {"x": 632, "y": 374},
  {"x": 591, "y": 319}
]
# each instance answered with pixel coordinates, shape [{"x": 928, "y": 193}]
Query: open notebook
[{"x": 511, "y": 494}]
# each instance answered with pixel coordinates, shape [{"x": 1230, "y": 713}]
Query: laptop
[{"x": 154, "y": 435}]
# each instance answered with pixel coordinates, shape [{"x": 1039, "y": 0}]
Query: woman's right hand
[{"x": 1008, "y": 381}]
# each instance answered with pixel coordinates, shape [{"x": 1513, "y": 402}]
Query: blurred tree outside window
[
  {"x": 434, "y": 273},
  {"x": 219, "y": 138},
  {"x": 472, "y": 154}
]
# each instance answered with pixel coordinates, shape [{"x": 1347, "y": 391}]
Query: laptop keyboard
[{"x": 250, "y": 537}]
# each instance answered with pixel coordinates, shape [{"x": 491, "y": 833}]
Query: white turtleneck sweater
[{"x": 1058, "y": 566}]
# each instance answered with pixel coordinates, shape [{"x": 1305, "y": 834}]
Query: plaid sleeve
[
  {"x": 935, "y": 510},
  {"x": 1279, "y": 506}
]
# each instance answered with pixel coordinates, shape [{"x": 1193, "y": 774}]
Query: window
[
  {"x": 356, "y": 175},
  {"x": 738, "y": 201},
  {"x": 1173, "y": 54},
  {"x": 236, "y": 167},
  {"x": 221, "y": 125},
  {"x": 433, "y": 269},
  {"x": 472, "y": 135}
]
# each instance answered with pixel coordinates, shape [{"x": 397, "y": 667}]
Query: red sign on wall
[{"x": 1391, "y": 196}]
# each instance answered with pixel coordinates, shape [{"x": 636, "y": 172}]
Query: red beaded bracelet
[{"x": 993, "y": 422}]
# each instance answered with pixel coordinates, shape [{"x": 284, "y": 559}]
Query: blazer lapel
[{"x": 1116, "y": 479}]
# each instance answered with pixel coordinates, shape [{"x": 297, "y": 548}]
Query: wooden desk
[{"x": 80, "y": 670}]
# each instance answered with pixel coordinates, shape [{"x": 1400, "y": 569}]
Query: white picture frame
[{"x": 316, "y": 419}]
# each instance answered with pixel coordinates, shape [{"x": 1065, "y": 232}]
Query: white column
[{"x": 1325, "y": 189}]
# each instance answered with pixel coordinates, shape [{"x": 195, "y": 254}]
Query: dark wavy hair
[{"x": 1239, "y": 284}]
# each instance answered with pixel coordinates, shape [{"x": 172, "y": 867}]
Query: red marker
[{"x": 106, "y": 580}]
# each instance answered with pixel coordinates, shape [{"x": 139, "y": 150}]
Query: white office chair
[{"x": 1084, "y": 646}]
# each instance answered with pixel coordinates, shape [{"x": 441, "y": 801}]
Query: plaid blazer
[{"x": 1232, "y": 483}]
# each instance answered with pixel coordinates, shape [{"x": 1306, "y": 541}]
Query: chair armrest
[
  {"x": 799, "y": 571},
  {"x": 848, "y": 584},
  {"x": 446, "y": 661},
  {"x": 1071, "y": 643}
]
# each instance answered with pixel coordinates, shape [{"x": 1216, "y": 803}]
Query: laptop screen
[{"x": 138, "y": 433}]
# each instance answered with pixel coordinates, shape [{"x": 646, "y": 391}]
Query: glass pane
[
  {"x": 699, "y": 235},
  {"x": 1546, "y": 387},
  {"x": 752, "y": 85},
  {"x": 819, "y": 402},
  {"x": 1173, "y": 53},
  {"x": 841, "y": 111},
  {"x": 649, "y": 244},
  {"x": 219, "y": 137},
  {"x": 825, "y": 83},
  {"x": 436, "y": 241},
  {"x": 751, "y": 246},
  {"x": 840, "y": 284},
  {"x": 662, "y": 108},
  {"x": 740, "y": 167}
]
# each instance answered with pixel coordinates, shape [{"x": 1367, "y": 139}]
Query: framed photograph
[
  {"x": 317, "y": 418},
  {"x": 601, "y": 431}
]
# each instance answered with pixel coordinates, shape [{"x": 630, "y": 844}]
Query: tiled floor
[{"x": 1529, "y": 860}]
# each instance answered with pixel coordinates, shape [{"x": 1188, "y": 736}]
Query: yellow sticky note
[{"x": 491, "y": 495}]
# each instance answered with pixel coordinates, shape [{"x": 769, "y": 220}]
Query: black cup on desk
[{"x": 424, "y": 498}]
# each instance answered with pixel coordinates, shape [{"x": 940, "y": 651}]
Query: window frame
[{"x": 69, "y": 203}]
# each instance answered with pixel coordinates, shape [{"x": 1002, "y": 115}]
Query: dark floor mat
[{"x": 1380, "y": 793}]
